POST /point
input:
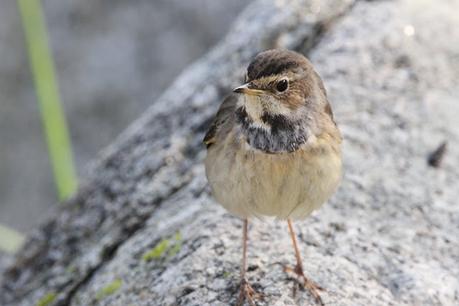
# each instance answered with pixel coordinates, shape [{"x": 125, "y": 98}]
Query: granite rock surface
[{"x": 145, "y": 231}]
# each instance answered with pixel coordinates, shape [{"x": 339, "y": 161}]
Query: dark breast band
[{"x": 283, "y": 135}]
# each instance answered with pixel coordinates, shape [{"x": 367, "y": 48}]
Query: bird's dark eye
[{"x": 282, "y": 85}]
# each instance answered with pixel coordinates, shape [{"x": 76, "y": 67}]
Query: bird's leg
[
  {"x": 246, "y": 291},
  {"x": 312, "y": 287}
]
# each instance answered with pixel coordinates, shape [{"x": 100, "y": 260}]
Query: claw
[
  {"x": 306, "y": 283},
  {"x": 248, "y": 293}
]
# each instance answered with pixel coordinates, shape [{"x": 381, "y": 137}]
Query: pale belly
[{"x": 289, "y": 185}]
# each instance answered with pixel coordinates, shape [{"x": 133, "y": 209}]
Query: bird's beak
[{"x": 245, "y": 89}]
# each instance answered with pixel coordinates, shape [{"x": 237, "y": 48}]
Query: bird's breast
[{"x": 249, "y": 182}]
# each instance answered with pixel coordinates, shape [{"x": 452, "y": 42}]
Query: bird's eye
[{"x": 282, "y": 85}]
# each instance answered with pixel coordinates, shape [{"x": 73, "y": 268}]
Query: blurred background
[{"x": 112, "y": 59}]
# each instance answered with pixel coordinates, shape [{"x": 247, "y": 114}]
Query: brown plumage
[
  {"x": 274, "y": 147},
  {"x": 222, "y": 119}
]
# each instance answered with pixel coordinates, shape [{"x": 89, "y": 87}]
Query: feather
[{"x": 224, "y": 116}]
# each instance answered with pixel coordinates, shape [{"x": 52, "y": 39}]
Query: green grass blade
[
  {"x": 52, "y": 115},
  {"x": 10, "y": 240}
]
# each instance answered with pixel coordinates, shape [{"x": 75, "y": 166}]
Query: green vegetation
[
  {"x": 177, "y": 245},
  {"x": 47, "y": 299},
  {"x": 157, "y": 251},
  {"x": 52, "y": 115},
  {"x": 109, "y": 289},
  {"x": 71, "y": 269},
  {"x": 10, "y": 240},
  {"x": 164, "y": 246}
]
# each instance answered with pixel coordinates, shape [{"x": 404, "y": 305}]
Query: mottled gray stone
[
  {"x": 113, "y": 60},
  {"x": 388, "y": 237},
  {"x": 5, "y": 260}
]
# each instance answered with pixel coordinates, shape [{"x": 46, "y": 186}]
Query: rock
[
  {"x": 5, "y": 260},
  {"x": 113, "y": 59},
  {"x": 144, "y": 230}
]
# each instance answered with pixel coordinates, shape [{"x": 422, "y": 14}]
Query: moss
[
  {"x": 109, "y": 289},
  {"x": 171, "y": 245},
  {"x": 226, "y": 274},
  {"x": 47, "y": 299},
  {"x": 157, "y": 251},
  {"x": 177, "y": 245},
  {"x": 71, "y": 269}
]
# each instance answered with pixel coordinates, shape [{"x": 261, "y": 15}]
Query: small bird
[{"x": 274, "y": 149}]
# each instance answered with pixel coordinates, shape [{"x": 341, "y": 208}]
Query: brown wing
[
  {"x": 224, "y": 117},
  {"x": 321, "y": 83},
  {"x": 328, "y": 108}
]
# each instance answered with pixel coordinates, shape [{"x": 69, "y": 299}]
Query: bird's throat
[{"x": 271, "y": 133}]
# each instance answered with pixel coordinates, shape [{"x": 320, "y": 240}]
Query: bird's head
[{"x": 281, "y": 84}]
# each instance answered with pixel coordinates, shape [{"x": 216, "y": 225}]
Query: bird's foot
[
  {"x": 306, "y": 283},
  {"x": 246, "y": 292}
]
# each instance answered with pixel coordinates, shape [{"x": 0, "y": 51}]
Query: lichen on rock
[{"x": 388, "y": 237}]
